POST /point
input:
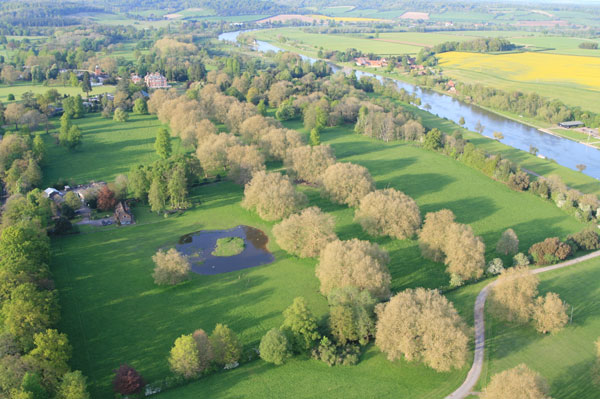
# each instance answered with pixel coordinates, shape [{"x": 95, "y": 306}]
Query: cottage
[
  {"x": 156, "y": 81},
  {"x": 135, "y": 78},
  {"x": 571, "y": 124},
  {"x": 123, "y": 215},
  {"x": 50, "y": 192},
  {"x": 362, "y": 61}
]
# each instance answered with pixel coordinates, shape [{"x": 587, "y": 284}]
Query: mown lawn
[
  {"x": 113, "y": 312},
  {"x": 564, "y": 359},
  {"x": 109, "y": 148}
]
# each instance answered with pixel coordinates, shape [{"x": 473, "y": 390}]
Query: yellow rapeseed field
[{"x": 530, "y": 67}]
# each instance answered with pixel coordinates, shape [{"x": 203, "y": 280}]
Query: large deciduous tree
[
  {"x": 422, "y": 325},
  {"x": 274, "y": 347},
  {"x": 549, "y": 313},
  {"x": 300, "y": 324},
  {"x": 432, "y": 237},
  {"x": 389, "y": 212},
  {"x": 512, "y": 295},
  {"x": 517, "y": 383},
  {"x": 308, "y": 163},
  {"x": 171, "y": 267},
  {"x": 356, "y": 263},
  {"x": 272, "y": 196},
  {"x": 225, "y": 345},
  {"x": 351, "y": 315},
  {"x": 347, "y": 183},
  {"x": 127, "y": 380},
  {"x": 508, "y": 244},
  {"x": 184, "y": 358},
  {"x": 305, "y": 234}
]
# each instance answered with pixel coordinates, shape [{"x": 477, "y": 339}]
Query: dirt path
[{"x": 467, "y": 386}]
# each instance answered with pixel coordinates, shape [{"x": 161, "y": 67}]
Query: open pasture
[
  {"x": 565, "y": 359},
  {"x": 107, "y": 291}
]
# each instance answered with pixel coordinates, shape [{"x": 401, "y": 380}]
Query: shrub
[
  {"x": 305, "y": 234},
  {"x": 519, "y": 181},
  {"x": 389, "y": 212},
  {"x": 274, "y": 347},
  {"x": 520, "y": 259},
  {"x": 171, "y": 267},
  {"x": 495, "y": 266},
  {"x": 347, "y": 183},
  {"x": 120, "y": 115},
  {"x": 327, "y": 352},
  {"x": 356, "y": 263},
  {"x": 586, "y": 239},
  {"x": 549, "y": 251}
]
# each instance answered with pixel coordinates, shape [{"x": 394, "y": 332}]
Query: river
[{"x": 517, "y": 135}]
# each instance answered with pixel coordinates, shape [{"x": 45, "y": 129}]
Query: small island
[{"x": 229, "y": 246}]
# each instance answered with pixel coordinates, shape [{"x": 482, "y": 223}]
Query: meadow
[
  {"x": 109, "y": 148},
  {"x": 19, "y": 88},
  {"x": 564, "y": 359},
  {"x": 104, "y": 276}
]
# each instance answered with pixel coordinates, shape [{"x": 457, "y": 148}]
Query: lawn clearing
[
  {"x": 109, "y": 148},
  {"x": 107, "y": 291},
  {"x": 19, "y": 88},
  {"x": 229, "y": 246},
  {"x": 564, "y": 359}
]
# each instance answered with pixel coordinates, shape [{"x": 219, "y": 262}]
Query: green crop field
[
  {"x": 18, "y": 89},
  {"x": 107, "y": 292},
  {"x": 564, "y": 359},
  {"x": 109, "y": 148}
]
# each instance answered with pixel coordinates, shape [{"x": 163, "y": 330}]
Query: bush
[
  {"x": 549, "y": 251},
  {"x": 496, "y": 266},
  {"x": 120, "y": 115},
  {"x": 519, "y": 181},
  {"x": 274, "y": 347},
  {"x": 520, "y": 259},
  {"x": 327, "y": 352},
  {"x": 585, "y": 239}
]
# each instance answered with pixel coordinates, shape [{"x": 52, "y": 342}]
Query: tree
[
  {"x": 461, "y": 121},
  {"x": 51, "y": 355},
  {"x": 512, "y": 295},
  {"x": 272, "y": 196},
  {"x": 14, "y": 112},
  {"x": 308, "y": 163},
  {"x": 73, "y": 138},
  {"x": 205, "y": 352},
  {"x": 32, "y": 388},
  {"x": 465, "y": 253},
  {"x": 86, "y": 84},
  {"x": 73, "y": 386},
  {"x": 549, "y": 251},
  {"x": 495, "y": 266},
  {"x": 140, "y": 106},
  {"x": 347, "y": 183},
  {"x": 274, "y": 347},
  {"x": 508, "y": 244},
  {"x": 356, "y": 263},
  {"x": 433, "y": 235},
  {"x": 306, "y": 233},
  {"x": 550, "y": 313},
  {"x": 171, "y": 267},
  {"x": 517, "y": 383},
  {"x": 184, "y": 358},
  {"x": 121, "y": 115},
  {"x": 433, "y": 140},
  {"x": 177, "y": 187},
  {"x": 301, "y": 325},
  {"x": 351, "y": 314},
  {"x": 243, "y": 162},
  {"x": 127, "y": 380},
  {"x": 498, "y": 136},
  {"x": 106, "y": 199},
  {"x": 162, "y": 145},
  {"x": 29, "y": 311},
  {"x": 519, "y": 181},
  {"x": 39, "y": 148},
  {"x": 261, "y": 108},
  {"x": 315, "y": 136},
  {"x": 422, "y": 325},
  {"x": 212, "y": 152},
  {"x": 225, "y": 345},
  {"x": 389, "y": 212},
  {"x": 479, "y": 128},
  {"x": 156, "y": 195}
]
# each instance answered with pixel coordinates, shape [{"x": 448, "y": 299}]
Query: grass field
[
  {"x": 109, "y": 148},
  {"x": 564, "y": 359},
  {"x": 107, "y": 292},
  {"x": 18, "y": 89}
]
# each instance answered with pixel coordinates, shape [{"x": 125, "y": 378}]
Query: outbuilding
[{"x": 571, "y": 124}]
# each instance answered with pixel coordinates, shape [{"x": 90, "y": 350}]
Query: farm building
[
  {"x": 362, "y": 61},
  {"x": 571, "y": 124},
  {"x": 123, "y": 214}
]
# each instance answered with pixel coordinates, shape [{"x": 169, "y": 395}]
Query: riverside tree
[
  {"x": 347, "y": 183},
  {"x": 356, "y": 263},
  {"x": 305, "y": 234},
  {"x": 272, "y": 196},
  {"x": 422, "y": 325},
  {"x": 389, "y": 212}
]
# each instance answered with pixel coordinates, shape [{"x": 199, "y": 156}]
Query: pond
[{"x": 199, "y": 246}]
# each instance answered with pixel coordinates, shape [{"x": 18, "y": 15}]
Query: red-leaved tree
[
  {"x": 106, "y": 199},
  {"x": 127, "y": 380}
]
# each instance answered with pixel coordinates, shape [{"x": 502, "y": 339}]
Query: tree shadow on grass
[
  {"x": 467, "y": 210},
  {"x": 576, "y": 382}
]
